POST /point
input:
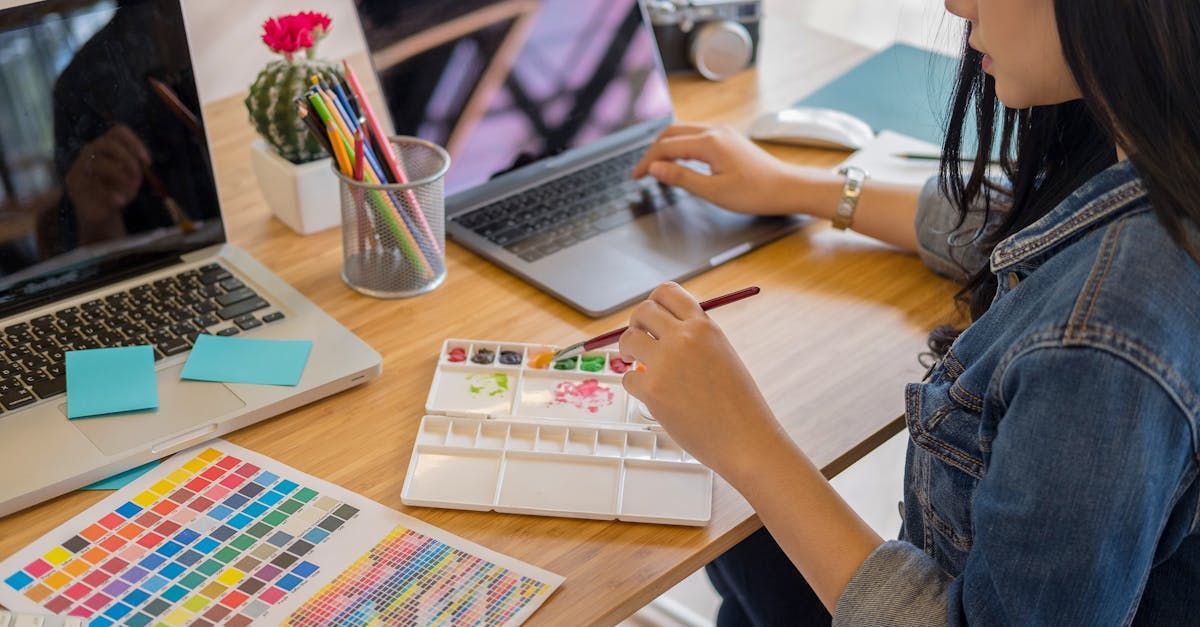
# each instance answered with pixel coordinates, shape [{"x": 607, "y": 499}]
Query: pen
[
  {"x": 916, "y": 156},
  {"x": 612, "y": 336}
]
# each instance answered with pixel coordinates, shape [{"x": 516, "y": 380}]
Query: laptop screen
[
  {"x": 104, "y": 168},
  {"x": 503, "y": 84}
]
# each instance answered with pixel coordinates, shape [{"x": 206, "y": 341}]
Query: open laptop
[
  {"x": 545, "y": 107},
  {"x": 111, "y": 235}
]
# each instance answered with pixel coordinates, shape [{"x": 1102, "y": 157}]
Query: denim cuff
[{"x": 898, "y": 584}]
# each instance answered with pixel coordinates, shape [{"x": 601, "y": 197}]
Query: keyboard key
[
  {"x": 204, "y": 307},
  {"x": 228, "y": 332},
  {"x": 50, "y": 387},
  {"x": 231, "y": 284},
  {"x": 17, "y": 399},
  {"x": 273, "y": 316},
  {"x": 208, "y": 268},
  {"x": 236, "y": 296},
  {"x": 247, "y": 322},
  {"x": 173, "y": 346},
  {"x": 215, "y": 276},
  {"x": 14, "y": 329},
  {"x": 240, "y": 309},
  {"x": 33, "y": 376},
  {"x": 206, "y": 320}
]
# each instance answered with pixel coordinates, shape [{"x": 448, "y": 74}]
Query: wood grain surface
[{"x": 832, "y": 339}]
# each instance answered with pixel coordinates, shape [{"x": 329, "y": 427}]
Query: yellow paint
[
  {"x": 179, "y": 476},
  {"x": 194, "y": 466},
  {"x": 231, "y": 576},
  {"x": 162, "y": 487},
  {"x": 145, "y": 499},
  {"x": 209, "y": 454},
  {"x": 177, "y": 618},
  {"x": 57, "y": 555}
]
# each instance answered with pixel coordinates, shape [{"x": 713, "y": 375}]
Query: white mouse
[{"x": 811, "y": 126}]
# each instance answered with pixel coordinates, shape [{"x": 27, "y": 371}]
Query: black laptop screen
[
  {"x": 104, "y": 168},
  {"x": 506, "y": 83}
]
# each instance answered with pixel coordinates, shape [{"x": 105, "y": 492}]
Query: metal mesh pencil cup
[{"x": 393, "y": 235}]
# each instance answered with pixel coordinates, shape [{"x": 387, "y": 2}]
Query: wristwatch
[{"x": 843, "y": 218}]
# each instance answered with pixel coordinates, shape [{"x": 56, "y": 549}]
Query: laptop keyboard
[
  {"x": 560, "y": 213},
  {"x": 168, "y": 314}
]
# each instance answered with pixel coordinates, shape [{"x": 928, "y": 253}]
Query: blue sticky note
[
  {"x": 241, "y": 360},
  {"x": 121, "y": 479},
  {"x": 110, "y": 380}
]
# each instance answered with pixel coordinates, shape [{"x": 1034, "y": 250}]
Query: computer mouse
[{"x": 812, "y": 126}]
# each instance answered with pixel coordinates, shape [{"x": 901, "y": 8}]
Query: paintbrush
[{"x": 612, "y": 336}]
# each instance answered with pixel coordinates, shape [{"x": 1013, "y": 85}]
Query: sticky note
[
  {"x": 110, "y": 380},
  {"x": 121, "y": 479},
  {"x": 240, "y": 360}
]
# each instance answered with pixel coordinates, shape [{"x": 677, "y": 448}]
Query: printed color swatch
[
  {"x": 219, "y": 539},
  {"x": 412, "y": 579},
  {"x": 222, "y": 535}
]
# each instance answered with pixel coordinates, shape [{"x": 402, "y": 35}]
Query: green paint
[
  {"x": 495, "y": 384},
  {"x": 566, "y": 364},
  {"x": 592, "y": 363}
]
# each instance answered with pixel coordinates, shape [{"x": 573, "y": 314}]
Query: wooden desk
[{"x": 832, "y": 339}]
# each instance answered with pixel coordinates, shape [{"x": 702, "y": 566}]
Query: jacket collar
[{"x": 1104, "y": 196}]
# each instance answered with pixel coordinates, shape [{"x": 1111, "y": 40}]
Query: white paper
[
  {"x": 879, "y": 160},
  {"x": 337, "y": 552}
]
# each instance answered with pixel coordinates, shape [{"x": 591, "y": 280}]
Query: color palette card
[{"x": 221, "y": 535}]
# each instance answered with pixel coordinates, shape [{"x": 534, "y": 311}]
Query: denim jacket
[{"x": 1052, "y": 463}]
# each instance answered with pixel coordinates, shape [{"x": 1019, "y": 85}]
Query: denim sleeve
[
  {"x": 1083, "y": 473},
  {"x": 945, "y": 246}
]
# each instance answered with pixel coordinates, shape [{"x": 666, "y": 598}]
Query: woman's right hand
[{"x": 744, "y": 178}]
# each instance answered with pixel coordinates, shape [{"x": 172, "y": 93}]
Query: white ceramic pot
[{"x": 304, "y": 197}]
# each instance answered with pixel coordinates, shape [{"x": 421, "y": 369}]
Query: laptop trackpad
[{"x": 182, "y": 405}]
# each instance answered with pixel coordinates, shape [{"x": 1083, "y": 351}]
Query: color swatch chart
[
  {"x": 215, "y": 535},
  {"x": 412, "y": 579}
]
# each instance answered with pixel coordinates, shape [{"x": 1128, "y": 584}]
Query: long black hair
[{"x": 1136, "y": 66}]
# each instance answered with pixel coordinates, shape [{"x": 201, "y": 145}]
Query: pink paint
[
  {"x": 619, "y": 365},
  {"x": 589, "y": 395},
  {"x": 457, "y": 354}
]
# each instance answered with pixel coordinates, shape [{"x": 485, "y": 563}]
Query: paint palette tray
[{"x": 509, "y": 431}]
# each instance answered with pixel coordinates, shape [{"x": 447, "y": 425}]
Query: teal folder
[{"x": 902, "y": 89}]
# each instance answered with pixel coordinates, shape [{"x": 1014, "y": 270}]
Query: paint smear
[
  {"x": 495, "y": 384},
  {"x": 589, "y": 395},
  {"x": 541, "y": 360}
]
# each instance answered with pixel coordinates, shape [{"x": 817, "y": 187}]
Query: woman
[{"x": 1051, "y": 472}]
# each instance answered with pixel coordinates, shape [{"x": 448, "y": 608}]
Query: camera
[{"x": 717, "y": 38}]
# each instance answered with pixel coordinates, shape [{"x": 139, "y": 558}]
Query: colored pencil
[
  {"x": 611, "y": 337},
  {"x": 345, "y": 127},
  {"x": 389, "y": 156},
  {"x": 403, "y": 236}
]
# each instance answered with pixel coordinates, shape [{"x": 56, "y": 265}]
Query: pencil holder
[{"x": 393, "y": 235}]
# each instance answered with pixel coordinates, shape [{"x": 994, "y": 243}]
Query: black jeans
[{"x": 759, "y": 586}]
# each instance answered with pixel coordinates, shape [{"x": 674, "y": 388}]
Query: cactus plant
[{"x": 270, "y": 101}]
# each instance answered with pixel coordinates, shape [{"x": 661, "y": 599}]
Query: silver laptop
[
  {"x": 111, "y": 235},
  {"x": 545, "y": 108}
]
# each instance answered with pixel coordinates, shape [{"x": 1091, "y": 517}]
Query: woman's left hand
[{"x": 696, "y": 385}]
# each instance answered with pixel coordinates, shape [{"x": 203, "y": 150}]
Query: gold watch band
[{"x": 843, "y": 217}]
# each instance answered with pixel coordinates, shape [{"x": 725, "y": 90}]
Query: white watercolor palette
[{"x": 508, "y": 434}]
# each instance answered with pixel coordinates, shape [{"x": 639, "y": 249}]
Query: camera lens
[{"x": 721, "y": 49}]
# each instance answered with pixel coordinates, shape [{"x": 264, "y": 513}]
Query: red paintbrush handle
[{"x": 712, "y": 303}]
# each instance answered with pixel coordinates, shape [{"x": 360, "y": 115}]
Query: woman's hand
[
  {"x": 696, "y": 385},
  {"x": 744, "y": 177}
]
